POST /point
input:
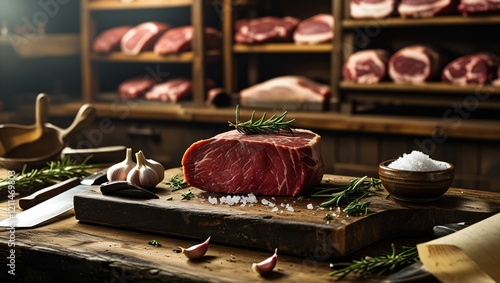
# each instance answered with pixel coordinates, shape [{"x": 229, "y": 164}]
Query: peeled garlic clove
[
  {"x": 142, "y": 174},
  {"x": 119, "y": 171},
  {"x": 196, "y": 251},
  {"x": 267, "y": 265}
]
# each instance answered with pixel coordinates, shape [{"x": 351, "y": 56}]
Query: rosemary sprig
[
  {"x": 351, "y": 194},
  {"x": 177, "y": 183},
  {"x": 275, "y": 124},
  {"x": 188, "y": 196},
  {"x": 389, "y": 262},
  {"x": 50, "y": 174}
]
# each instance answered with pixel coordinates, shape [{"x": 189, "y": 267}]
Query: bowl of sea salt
[{"x": 415, "y": 177}]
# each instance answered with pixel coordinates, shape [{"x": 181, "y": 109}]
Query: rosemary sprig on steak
[{"x": 275, "y": 124}]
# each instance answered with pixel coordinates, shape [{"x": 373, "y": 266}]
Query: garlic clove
[
  {"x": 267, "y": 265},
  {"x": 119, "y": 171},
  {"x": 142, "y": 174},
  {"x": 196, "y": 251}
]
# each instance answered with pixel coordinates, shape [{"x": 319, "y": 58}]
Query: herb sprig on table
[
  {"x": 351, "y": 194},
  {"x": 177, "y": 183},
  {"x": 275, "y": 124},
  {"x": 389, "y": 262},
  {"x": 50, "y": 174}
]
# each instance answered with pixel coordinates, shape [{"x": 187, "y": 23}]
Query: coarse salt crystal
[
  {"x": 212, "y": 200},
  {"x": 275, "y": 209},
  {"x": 310, "y": 206},
  {"x": 417, "y": 161}
]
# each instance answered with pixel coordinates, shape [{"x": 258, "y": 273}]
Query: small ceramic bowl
[{"x": 415, "y": 186}]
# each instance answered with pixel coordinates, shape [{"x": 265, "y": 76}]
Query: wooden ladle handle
[
  {"x": 41, "y": 112},
  {"x": 83, "y": 119}
]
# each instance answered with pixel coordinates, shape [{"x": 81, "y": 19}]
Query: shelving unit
[
  {"x": 434, "y": 93},
  {"x": 197, "y": 58}
]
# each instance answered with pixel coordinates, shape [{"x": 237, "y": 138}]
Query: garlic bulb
[
  {"x": 196, "y": 251},
  {"x": 267, "y": 265},
  {"x": 119, "y": 171},
  {"x": 143, "y": 174},
  {"x": 160, "y": 170}
]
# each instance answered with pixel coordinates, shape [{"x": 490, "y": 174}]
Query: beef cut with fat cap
[
  {"x": 366, "y": 66},
  {"x": 142, "y": 37},
  {"x": 314, "y": 30},
  {"x": 135, "y": 87},
  {"x": 478, "y": 68},
  {"x": 180, "y": 39},
  {"x": 478, "y": 6},
  {"x": 371, "y": 9},
  {"x": 286, "y": 88},
  {"x": 109, "y": 40},
  {"x": 414, "y": 64},
  {"x": 263, "y": 164},
  {"x": 265, "y": 29},
  {"x": 426, "y": 8}
]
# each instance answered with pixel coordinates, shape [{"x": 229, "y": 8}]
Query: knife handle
[{"x": 48, "y": 192}]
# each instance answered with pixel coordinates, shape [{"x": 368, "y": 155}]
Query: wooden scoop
[
  {"x": 49, "y": 147},
  {"x": 12, "y": 135}
]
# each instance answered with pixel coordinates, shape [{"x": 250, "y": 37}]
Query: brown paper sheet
[{"x": 469, "y": 255}]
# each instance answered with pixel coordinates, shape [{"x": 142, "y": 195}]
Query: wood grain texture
[{"x": 303, "y": 232}]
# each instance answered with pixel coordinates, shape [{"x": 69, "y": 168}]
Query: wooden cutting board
[{"x": 302, "y": 232}]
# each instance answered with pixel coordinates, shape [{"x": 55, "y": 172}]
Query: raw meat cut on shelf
[
  {"x": 109, "y": 40},
  {"x": 218, "y": 97},
  {"x": 414, "y": 64},
  {"x": 174, "y": 90},
  {"x": 478, "y": 6},
  {"x": 135, "y": 87},
  {"x": 478, "y": 68},
  {"x": 286, "y": 89},
  {"x": 142, "y": 37},
  {"x": 314, "y": 30},
  {"x": 262, "y": 164},
  {"x": 371, "y": 9},
  {"x": 366, "y": 66},
  {"x": 496, "y": 82},
  {"x": 180, "y": 39},
  {"x": 426, "y": 8},
  {"x": 265, "y": 29}
]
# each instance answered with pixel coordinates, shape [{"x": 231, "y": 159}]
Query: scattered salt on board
[{"x": 417, "y": 161}]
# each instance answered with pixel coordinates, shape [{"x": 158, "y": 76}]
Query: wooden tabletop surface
[{"x": 66, "y": 249}]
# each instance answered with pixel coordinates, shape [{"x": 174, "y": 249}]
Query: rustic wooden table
[{"x": 67, "y": 250}]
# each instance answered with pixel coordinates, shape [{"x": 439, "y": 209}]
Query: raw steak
[
  {"x": 287, "y": 88},
  {"x": 135, "y": 87},
  {"x": 478, "y": 6},
  {"x": 374, "y": 9},
  {"x": 263, "y": 164},
  {"x": 109, "y": 40},
  {"x": 426, "y": 8},
  {"x": 367, "y": 66},
  {"x": 414, "y": 64},
  {"x": 174, "y": 90},
  {"x": 180, "y": 39},
  {"x": 477, "y": 68},
  {"x": 142, "y": 37},
  {"x": 314, "y": 30},
  {"x": 266, "y": 29}
]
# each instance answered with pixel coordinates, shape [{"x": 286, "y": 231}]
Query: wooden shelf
[
  {"x": 151, "y": 57},
  {"x": 480, "y": 129},
  {"x": 42, "y": 46},
  {"x": 436, "y": 87},
  {"x": 436, "y": 21},
  {"x": 282, "y": 48},
  {"x": 136, "y": 4}
]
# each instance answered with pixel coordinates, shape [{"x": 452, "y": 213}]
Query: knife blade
[
  {"x": 417, "y": 272},
  {"x": 54, "y": 206}
]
